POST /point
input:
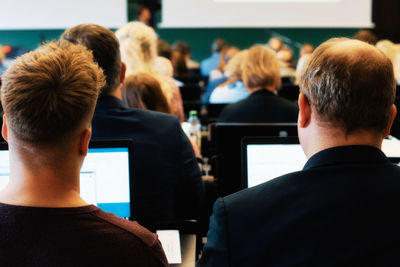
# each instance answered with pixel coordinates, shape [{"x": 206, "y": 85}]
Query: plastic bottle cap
[{"x": 193, "y": 113}]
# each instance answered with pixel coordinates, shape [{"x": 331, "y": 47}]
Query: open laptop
[
  {"x": 105, "y": 175},
  {"x": 265, "y": 158}
]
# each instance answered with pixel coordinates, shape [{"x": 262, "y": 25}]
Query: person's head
[
  {"x": 105, "y": 48},
  {"x": 306, "y": 49},
  {"x": 234, "y": 66},
  {"x": 143, "y": 14},
  {"x": 183, "y": 48},
  {"x": 218, "y": 45},
  {"x": 261, "y": 69},
  {"x": 366, "y": 36},
  {"x": 225, "y": 55},
  {"x": 143, "y": 91},
  {"x": 286, "y": 57},
  {"x": 138, "y": 45},
  {"x": 275, "y": 44},
  {"x": 347, "y": 93},
  {"x": 164, "y": 49},
  {"x": 49, "y": 96},
  {"x": 179, "y": 64}
]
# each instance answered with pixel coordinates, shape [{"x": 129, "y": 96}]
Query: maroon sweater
[{"x": 82, "y": 236}]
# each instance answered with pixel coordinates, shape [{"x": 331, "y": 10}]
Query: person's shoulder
[
  {"x": 255, "y": 196},
  {"x": 131, "y": 228}
]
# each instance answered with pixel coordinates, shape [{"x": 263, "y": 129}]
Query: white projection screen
[
  {"x": 61, "y": 14},
  {"x": 267, "y": 13}
]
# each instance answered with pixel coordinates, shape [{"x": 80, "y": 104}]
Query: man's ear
[
  {"x": 393, "y": 112},
  {"x": 4, "y": 130},
  {"x": 304, "y": 111},
  {"x": 123, "y": 72},
  {"x": 84, "y": 141}
]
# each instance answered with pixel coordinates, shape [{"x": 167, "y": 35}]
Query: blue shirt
[
  {"x": 230, "y": 93},
  {"x": 209, "y": 64}
]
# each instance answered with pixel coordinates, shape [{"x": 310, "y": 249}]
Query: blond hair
[
  {"x": 234, "y": 66},
  {"x": 49, "y": 93},
  {"x": 261, "y": 68}
]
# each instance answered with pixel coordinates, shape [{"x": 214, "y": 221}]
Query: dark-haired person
[
  {"x": 261, "y": 77},
  {"x": 185, "y": 49},
  {"x": 143, "y": 91},
  {"x": 340, "y": 210},
  {"x": 49, "y": 96},
  {"x": 143, "y": 14},
  {"x": 167, "y": 183}
]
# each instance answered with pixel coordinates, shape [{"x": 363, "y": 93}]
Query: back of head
[
  {"x": 179, "y": 63},
  {"x": 366, "y": 36},
  {"x": 164, "y": 49},
  {"x": 105, "y": 47},
  {"x": 51, "y": 92},
  {"x": 275, "y": 44},
  {"x": 182, "y": 47},
  {"x": 218, "y": 45},
  {"x": 149, "y": 91},
  {"x": 261, "y": 69},
  {"x": 138, "y": 44},
  {"x": 234, "y": 66},
  {"x": 350, "y": 85}
]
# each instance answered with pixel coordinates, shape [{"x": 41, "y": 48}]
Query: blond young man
[{"x": 49, "y": 96}]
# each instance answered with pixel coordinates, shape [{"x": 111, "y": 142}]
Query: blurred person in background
[
  {"x": 143, "y": 91},
  {"x": 138, "y": 44},
  {"x": 232, "y": 90}
]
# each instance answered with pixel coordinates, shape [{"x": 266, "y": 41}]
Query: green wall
[{"x": 199, "y": 39}]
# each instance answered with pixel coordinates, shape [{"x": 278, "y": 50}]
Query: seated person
[
  {"x": 142, "y": 91},
  {"x": 49, "y": 97},
  {"x": 340, "y": 210},
  {"x": 233, "y": 90},
  {"x": 185, "y": 50},
  {"x": 261, "y": 77},
  {"x": 211, "y": 63},
  {"x": 167, "y": 180},
  {"x": 217, "y": 76}
]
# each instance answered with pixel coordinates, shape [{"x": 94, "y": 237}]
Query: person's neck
[
  {"x": 255, "y": 89},
  {"x": 117, "y": 93},
  {"x": 41, "y": 185},
  {"x": 324, "y": 138}
]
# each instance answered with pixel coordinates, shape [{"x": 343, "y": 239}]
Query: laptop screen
[
  {"x": 105, "y": 176},
  {"x": 265, "y": 159}
]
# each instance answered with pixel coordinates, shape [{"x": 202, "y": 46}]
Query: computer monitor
[
  {"x": 266, "y": 158},
  {"x": 226, "y": 139},
  {"x": 105, "y": 175}
]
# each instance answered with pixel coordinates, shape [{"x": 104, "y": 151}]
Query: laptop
[
  {"x": 105, "y": 175},
  {"x": 226, "y": 138},
  {"x": 265, "y": 158}
]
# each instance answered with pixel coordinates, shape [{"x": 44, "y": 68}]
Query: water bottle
[{"x": 195, "y": 127}]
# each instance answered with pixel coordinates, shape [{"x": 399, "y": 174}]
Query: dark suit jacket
[
  {"x": 260, "y": 106},
  {"x": 341, "y": 210},
  {"x": 167, "y": 180}
]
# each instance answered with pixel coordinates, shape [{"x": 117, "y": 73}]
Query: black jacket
[
  {"x": 340, "y": 210},
  {"x": 167, "y": 181},
  {"x": 261, "y": 106}
]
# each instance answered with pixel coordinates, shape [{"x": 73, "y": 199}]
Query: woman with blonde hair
[
  {"x": 138, "y": 44},
  {"x": 261, "y": 76}
]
